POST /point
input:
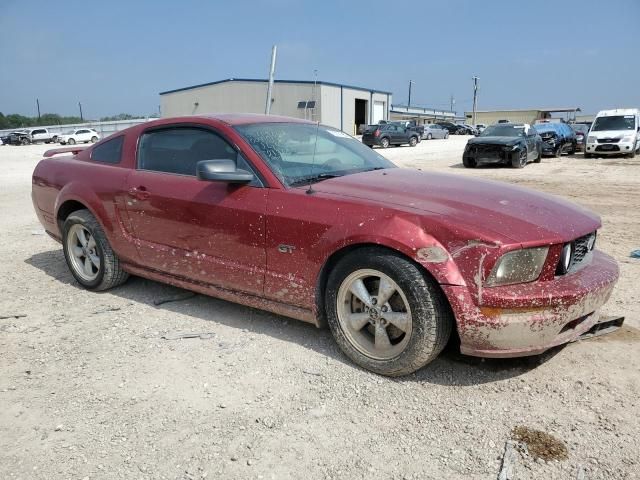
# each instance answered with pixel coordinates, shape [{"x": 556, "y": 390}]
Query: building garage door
[{"x": 378, "y": 112}]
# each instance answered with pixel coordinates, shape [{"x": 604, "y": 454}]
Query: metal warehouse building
[
  {"x": 488, "y": 117},
  {"x": 340, "y": 106}
]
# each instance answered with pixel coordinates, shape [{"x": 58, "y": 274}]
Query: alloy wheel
[
  {"x": 374, "y": 314},
  {"x": 83, "y": 252}
]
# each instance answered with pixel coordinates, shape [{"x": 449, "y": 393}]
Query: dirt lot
[{"x": 89, "y": 389}]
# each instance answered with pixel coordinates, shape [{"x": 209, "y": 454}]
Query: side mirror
[{"x": 222, "y": 171}]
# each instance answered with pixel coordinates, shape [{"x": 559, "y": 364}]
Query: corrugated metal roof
[{"x": 259, "y": 80}]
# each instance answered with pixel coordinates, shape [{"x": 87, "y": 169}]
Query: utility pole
[
  {"x": 38, "y": 104},
  {"x": 475, "y": 98},
  {"x": 272, "y": 70},
  {"x": 409, "y": 102},
  {"x": 453, "y": 102},
  {"x": 81, "y": 117}
]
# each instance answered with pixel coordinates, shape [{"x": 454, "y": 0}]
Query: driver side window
[{"x": 178, "y": 149}]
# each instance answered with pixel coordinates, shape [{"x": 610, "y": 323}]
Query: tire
[
  {"x": 413, "y": 141},
  {"x": 558, "y": 152},
  {"x": 574, "y": 148},
  {"x": 521, "y": 161},
  {"x": 82, "y": 264},
  {"x": 94, "y": 139},
  {"x": 417, "y": 301},
  {"x": 54, "y": 139},
  {"x": 469, "y": 162},
  {"x": 24, "y": 141},
  {"x": 429, "y": 136},
  {"x": 446, "y": 135},
  {"x": 71, "y": 141},
  {"x": 539, "y": 157},
  {"x": 384, "y": 142}
]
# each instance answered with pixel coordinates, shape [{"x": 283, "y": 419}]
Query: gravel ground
[{"x": 90, "y": 389}]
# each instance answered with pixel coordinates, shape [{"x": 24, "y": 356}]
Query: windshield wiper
[{"x": 314, "y": 178}]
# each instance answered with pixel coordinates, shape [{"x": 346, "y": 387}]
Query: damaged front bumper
[{"x": 527, "y": 319}]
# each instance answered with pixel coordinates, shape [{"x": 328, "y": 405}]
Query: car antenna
[{"x": 310, "y": 190}]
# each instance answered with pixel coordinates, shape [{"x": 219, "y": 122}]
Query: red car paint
[{"x": 226, "y": 240}]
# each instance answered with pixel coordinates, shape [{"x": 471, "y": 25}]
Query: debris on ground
[
  {"x": 13, "y": 315},
  {"x": 507, "y": 470},
  {"x": 176, "y": 298},
  {"x": 179, "y": 335},
  {"x": 540, "y": 444},
  {"x": 105, "y": 310}
]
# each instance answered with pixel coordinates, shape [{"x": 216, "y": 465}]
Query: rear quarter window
[{"x": 109, "y": 151}]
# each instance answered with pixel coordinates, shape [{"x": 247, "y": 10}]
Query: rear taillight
[{"x": 376, "y": 133}]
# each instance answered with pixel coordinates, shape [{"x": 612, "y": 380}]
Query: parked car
[
  {"x": 513, "y": 144},
  {"x": 480, "y": 127},
  {"x": 467, "y": 130},
  {"x": 452, "y": 128},
  {"x": 304, "y": 221},
  {"x": 614, "y": 132},
  {"x": 433, "y": 130},
  {"x": 17, "y": 137},
  {"x": 557, "y": 138},
  {"x": 581, "y": 131},
  {"x": 411, "y": 125},
  {"x": 79, "y": 135},
  {"x": 389, "y": 134},
  {"x": 42, "y": 135}
]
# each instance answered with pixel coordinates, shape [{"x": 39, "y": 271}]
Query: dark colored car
[
  {"x": 411, "y": 125},
  {"x": 19, "y": 137},
  {"x": 557, "y": 138},
  {"x": 452, "y": 128},
  {"x": 581, "y": 130},
  {"x": 513, "y": 144},
  {"x": 389, "y": 134},
  {"x": 305, "y": 221}
]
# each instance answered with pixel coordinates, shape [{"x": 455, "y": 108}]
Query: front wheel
[
  {"x": 413, "y": 141},
  {"x": 539, "y": 157},
  {"x": 385, "y": 314},
  {"x": 446, "y": 135},
  {"x": 521, "y": 161},
  {"x": 24, "y": 141},
  {"x": 89, "y": 256},
  {"x": 469, "y": 162},
  {"x": 429, "y": 136}
]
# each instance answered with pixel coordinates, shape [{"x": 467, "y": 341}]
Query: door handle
[{"x": 139, "y": 193}]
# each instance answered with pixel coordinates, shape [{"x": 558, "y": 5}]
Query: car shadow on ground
[{"x": 449, "y": 369}]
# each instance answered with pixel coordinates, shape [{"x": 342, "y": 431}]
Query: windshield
[
  {"x": 618, "y": 122},
  {"x": 578, "y": 128},
  {"x": 503, "y": 130},
  {"x": 291, "y": 150}
]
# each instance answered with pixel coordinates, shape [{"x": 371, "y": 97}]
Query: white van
[{"x": 614, "y": 132}]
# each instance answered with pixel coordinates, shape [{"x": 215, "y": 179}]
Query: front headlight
[
  {"x": 591, "y": 139},
  {"x": 519, "y": 266},
  {"x": 628, "y": 137}
]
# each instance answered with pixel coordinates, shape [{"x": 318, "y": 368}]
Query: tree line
[{"x": 15, "y": 120}]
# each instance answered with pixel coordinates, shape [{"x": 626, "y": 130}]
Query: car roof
[{"x": 246, "y": 118}]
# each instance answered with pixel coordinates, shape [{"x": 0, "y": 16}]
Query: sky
[{"x": 116, "y": 56}]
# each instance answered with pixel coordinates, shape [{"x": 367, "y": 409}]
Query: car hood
[
  {"x": 610, "y": 133},
  {"x": 495, "y": 140},
  {"x": 522, "y": 215}
]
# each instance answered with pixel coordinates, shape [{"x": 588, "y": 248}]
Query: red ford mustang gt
[{"x": 305, "y": 221}]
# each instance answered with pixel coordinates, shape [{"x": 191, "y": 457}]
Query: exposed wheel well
[
  {"x": 338, "y": 255},
  {"x": 66, "y": 209}
]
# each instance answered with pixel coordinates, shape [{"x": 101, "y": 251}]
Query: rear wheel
[
  {"x": 385, "y": 314},
  {"x": 384, "y": 143},
  {"x": 413, "y": 141},
  {"x": 89, "y": 256},
  {"x": 539, "y": 157},
  {"x": 94, "y": 139},
  {"x": 24, "y": 141},
  {"x": 429, "y": 136},
  {"x": 71, "y": 141}
]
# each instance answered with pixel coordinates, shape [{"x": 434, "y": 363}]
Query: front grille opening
[
  {"x": 581, "y": 249},
  {"x": 573, "y": 324}
]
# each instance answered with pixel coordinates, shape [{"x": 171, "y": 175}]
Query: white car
[
  {"x": 79, "y": 135},
  {"x": 614, "y": 132}
]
